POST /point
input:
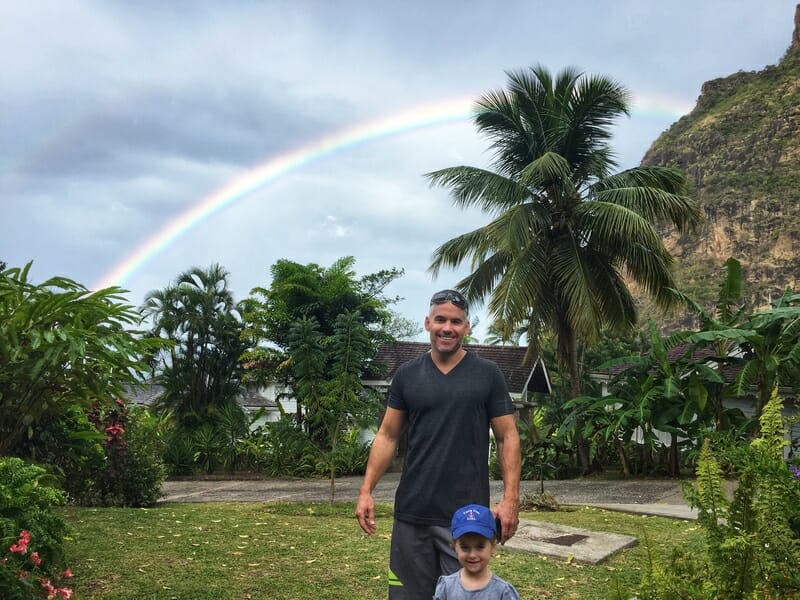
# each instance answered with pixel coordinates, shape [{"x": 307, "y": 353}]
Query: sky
[{"x": 140, "y": 139}]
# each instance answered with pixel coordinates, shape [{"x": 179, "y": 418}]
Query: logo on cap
[{"x": 473, "y": 518}]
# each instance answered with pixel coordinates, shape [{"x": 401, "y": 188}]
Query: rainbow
[
  {"x": 415, "y": 118},
  {"x": 437, "y": 113}
]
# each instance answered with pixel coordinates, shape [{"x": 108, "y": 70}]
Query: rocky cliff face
[{"x": 740, "y": 148}]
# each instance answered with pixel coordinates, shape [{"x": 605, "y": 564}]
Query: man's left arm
[{"x": 508, "y": 455}]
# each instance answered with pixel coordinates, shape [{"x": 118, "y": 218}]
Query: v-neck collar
[{"x": 452, "y": 368}]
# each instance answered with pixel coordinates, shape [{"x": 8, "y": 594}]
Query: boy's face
[{"x": 474, "y": 552}]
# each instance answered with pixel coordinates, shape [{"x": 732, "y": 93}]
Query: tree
[
  {"x": 201, "y": 372},
  {"x": 499, "y": 335},
  {"x": 729, "y": 312},
  {"x": 658, "y": 391},
  {"x": 62, "y": 345},
  {"x": 308, "y": 363},
  {"x": 566, "y": 235},
  {"x": 305, "y": 291},
  {"x": 327, "y": 380},
  {"x": 310, "y": 293},
  {"x": 346, "y": 402},
  {"x": 767, "y": 345}
]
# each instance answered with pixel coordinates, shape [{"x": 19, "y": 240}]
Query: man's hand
[
  {"x": 508, "y": 513},
  {"x": 365, "y": 512},
  {"x": 384, "y": 448}
]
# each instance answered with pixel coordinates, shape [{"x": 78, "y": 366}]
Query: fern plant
[{"x": 752, "y": 540}]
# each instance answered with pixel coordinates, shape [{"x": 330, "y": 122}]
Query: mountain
[{"x": 740, "y": 149}]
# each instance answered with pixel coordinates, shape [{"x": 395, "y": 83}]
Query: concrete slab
[
  {"x": 671, "y": 511},
  {"x": 567, "y": 543}
]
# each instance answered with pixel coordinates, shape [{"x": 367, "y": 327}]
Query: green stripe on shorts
[{"x": 393, "y": 579}]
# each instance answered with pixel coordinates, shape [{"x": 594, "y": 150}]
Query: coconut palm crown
[{"x": 567, "y": 234}]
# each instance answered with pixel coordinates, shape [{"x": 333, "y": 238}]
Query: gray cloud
[{"x": 118, "y": 117}]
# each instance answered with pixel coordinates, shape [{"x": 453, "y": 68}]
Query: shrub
[
  {"x": 26, "y": 504},
  {"x": 543, "y": 456},
  {"x": 179, "y": 452},
  {"x": 110, "y": 456},
  {"x": 24, "y": 574},
  {"x": 143, "y": 473},
  {"x": 207, "y": 447},
  {"x": 349, "y": 457},
  {"x": 134, "y": 471},
  {"x": 752, "y": 541},
  {"x": 285, "y": 449},
  {"x": 69, "y": 447}
]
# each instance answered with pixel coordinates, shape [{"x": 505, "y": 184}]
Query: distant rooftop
[{"x": 520, "y": 375}]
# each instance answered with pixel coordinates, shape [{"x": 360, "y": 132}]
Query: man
[{"x": 448, "y": 399}]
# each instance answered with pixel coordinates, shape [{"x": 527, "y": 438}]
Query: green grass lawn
[{"x": 313, "y": 552}]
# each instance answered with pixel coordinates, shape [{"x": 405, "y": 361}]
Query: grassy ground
[{"x": 313, "y": 551}]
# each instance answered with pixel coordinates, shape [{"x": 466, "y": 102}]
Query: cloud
[{"x": 118, "y": 117}]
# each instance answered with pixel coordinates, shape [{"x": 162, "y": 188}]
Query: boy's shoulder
[
  {"x": 449, "y": 588},
  {"x": 503, "y": 588}
]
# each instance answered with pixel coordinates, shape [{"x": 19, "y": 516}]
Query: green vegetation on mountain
[{"x": 740, "y": 150}]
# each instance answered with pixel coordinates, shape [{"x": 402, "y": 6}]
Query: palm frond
[
  {"x": 519, "y": 288},
  {"x": 546, "y": 170},
  {"x": 470, "y": 186},
  {"x": 570, "y": 275},
  {"x": 656, "y": 205},
  {"x": 479, "y": 284},
  {"x": 455, "y": 251},
  {"x": 616, "y": 307}
]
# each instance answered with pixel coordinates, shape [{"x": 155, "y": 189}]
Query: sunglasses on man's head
[{"x": 449, "y": 296}]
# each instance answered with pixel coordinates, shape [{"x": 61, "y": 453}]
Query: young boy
[{"x": 474, "y": 540}]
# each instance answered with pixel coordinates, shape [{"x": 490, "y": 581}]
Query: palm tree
[
  {"x": 199, "y": 315},
  {"x": 566, "y": 235}
]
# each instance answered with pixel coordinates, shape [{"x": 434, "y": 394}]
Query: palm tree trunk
[
  {"x": 626, "y": 470},
  {"x": 581, "y": 443},
  {"x": 673, "y": 466},
  {"x": 717, "y": 400}
]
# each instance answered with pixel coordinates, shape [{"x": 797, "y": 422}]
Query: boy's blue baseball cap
[{"x": 473, "y": 518}]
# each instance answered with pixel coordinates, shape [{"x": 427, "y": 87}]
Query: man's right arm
[{"x": 384, "y": 448}]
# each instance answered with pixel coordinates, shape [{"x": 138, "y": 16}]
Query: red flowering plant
[
  {"x": 23, "y": 576},
  {"x": 133, "y": 469},
  {"x": 31, "y": 533},
  {"x": 112, "y": 421}
]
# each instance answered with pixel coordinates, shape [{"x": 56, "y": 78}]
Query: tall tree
[
  {"x": 299, "y": 292},
  {"x": 308, "y": 360},
  {"x": 296, "y": 329},
  {"x": 567, "y": 234},
  {"x": 305, "y": 291},
  {"x": 197, "y": 313}
]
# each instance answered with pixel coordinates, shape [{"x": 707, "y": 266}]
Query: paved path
[
  {"x": 643, "y": 496},
  {"x": 647, "y": 496}
]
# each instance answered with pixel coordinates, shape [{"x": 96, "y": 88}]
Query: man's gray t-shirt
[
  {"x": 447, "y": 459},
  {"x": 449, "y": 587}
]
